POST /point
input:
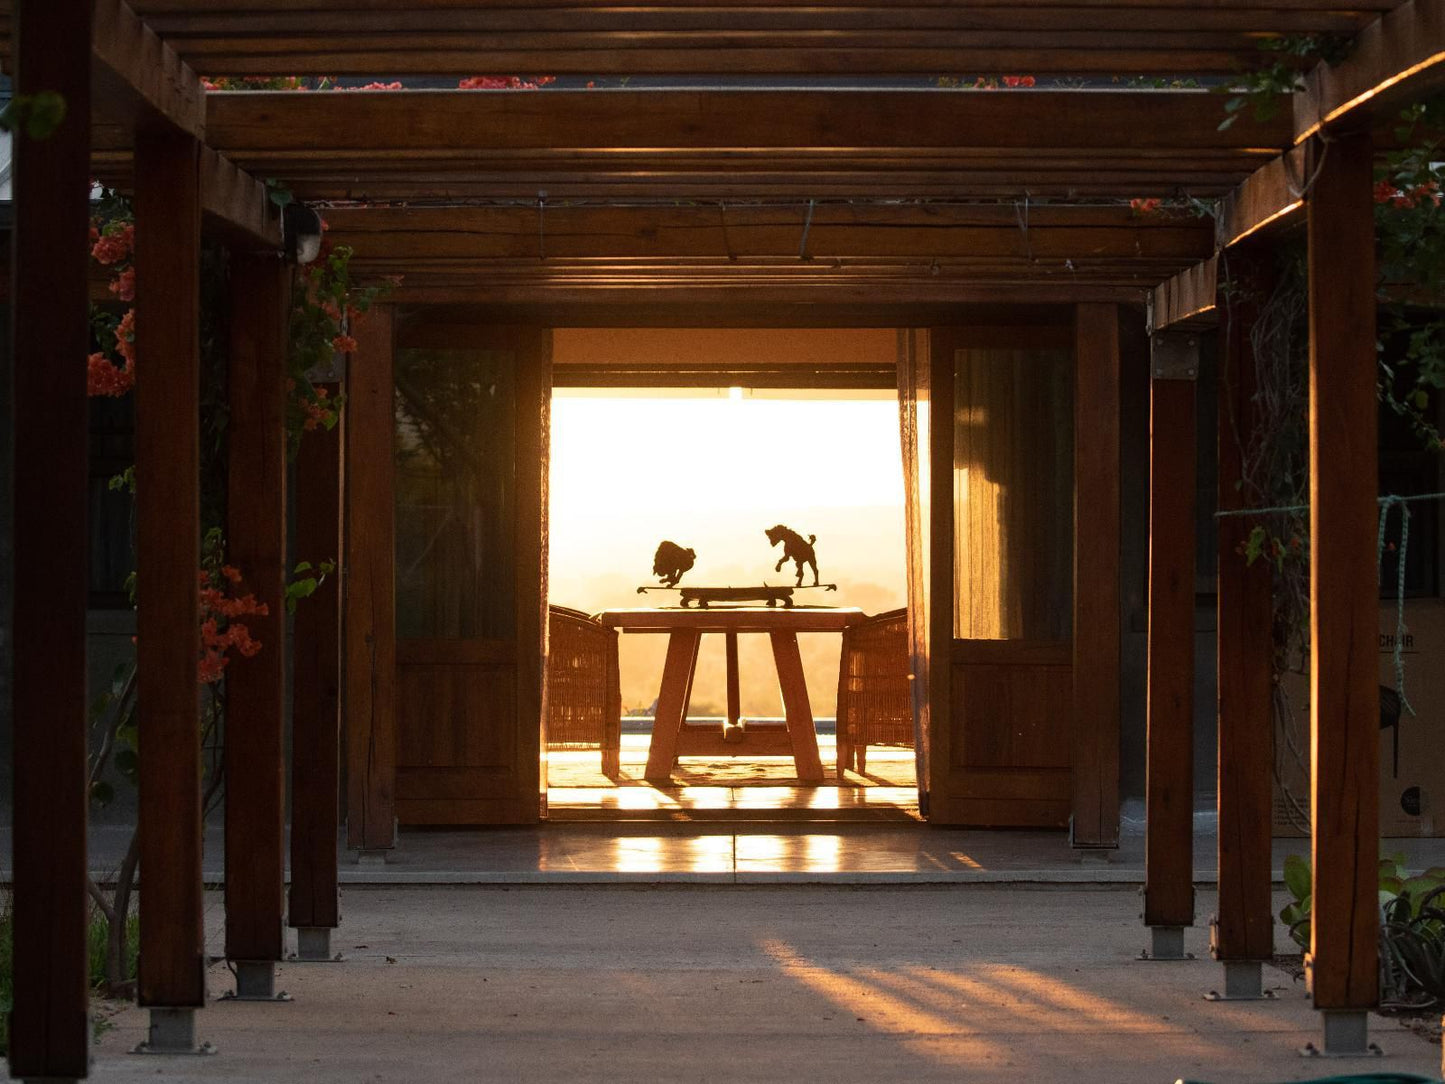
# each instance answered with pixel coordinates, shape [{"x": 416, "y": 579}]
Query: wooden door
[
  {"x": 472, "y": 404},
  {"x": 1001, "y": 562}
]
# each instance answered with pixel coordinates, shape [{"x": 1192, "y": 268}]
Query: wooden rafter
[
  {"x": 142, "y": 85},
  {"x": 1394, "y": 61},
  {"x": 671, "y": 36}
]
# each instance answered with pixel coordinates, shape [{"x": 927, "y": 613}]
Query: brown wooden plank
[
  {"x": 794, "y": 685},
  {"x": 256, "y": 545},
  {"x": 1395, "y": 60},
  {"x": 50, "y": 420},
  {"x": 139, "y": 79},
  {"x": 1189, "y": 297},
  {"x": 1169, "y": 789},
  {"x": 734, "y": 692},
  {"x": 1096, "y": 577},
  {"x": 167, "y": 408},
  {"x": 1269, "y": 198},
  {"x": 316, "y": 684},
  {"x": 1244, "y": 927},
  {"x": 320, "y": 126},
  {"x": 441, "y": 652},
  {"x": 236, "y": 206},
  {"x": 370, "y": 605},
  {"x": 1344, "y": 593}
]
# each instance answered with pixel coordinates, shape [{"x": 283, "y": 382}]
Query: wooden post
[
  {"x": 1096, "y": 578},
  {"x": 1169, "y": 841},
  {"x": 316, "y": 697},
  {"x": 167, "y": 409},
  {"x": 50, "y": 1020},
  {"x": 369, "y": 598},
  {"x": 255, "y": 687},
  {"x": 1344, "y": 596},
  {"x": 1243, "y": 932}
]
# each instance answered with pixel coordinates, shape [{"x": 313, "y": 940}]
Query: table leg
[
  {"x": 796, "y": 708},
  {"x": 734, "y": 697},
  {"x": 672, "y": 701}
]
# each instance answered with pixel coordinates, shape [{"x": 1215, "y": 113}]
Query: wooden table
[{"x": 685, "y": 628}]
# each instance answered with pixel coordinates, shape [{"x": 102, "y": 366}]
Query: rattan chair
[
  {"x": 875, "y": 705},
  {"x": 584, "y": 692}
]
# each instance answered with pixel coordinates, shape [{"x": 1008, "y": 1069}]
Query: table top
[{"x": 734, "y": 618}]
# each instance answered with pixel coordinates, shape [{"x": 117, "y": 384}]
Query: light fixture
[{"x": 301, "y": 231}]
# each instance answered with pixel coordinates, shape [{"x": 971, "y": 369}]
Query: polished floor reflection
[{"x": 732, "y": 788}]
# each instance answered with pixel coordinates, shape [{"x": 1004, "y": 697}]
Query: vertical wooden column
[
  {"x": 533, "y": 351},
  {"x": 1344, "y": 596},
  {"x": 50, "y": 1020},
  {"x": 1096, "y": 577},
  {"x": 255, "y": 687},
  {"x": 1243, "y": 933},
  {"x": 1169, "y": 790},
  {"x": 937, "y": 516},
  {"x": 370, "y": 594},
  {"x": 316, "y": 696},
  {"x": 167, "y": 409}
]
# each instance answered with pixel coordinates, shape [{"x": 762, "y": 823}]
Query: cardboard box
[{"x": 1412, "y": 751}]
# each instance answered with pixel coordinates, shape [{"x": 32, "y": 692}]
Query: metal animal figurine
[
  {"x": 795, "y": 549},
  {"x": 671, "y": 561}
]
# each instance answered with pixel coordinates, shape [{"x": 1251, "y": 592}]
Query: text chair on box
[
  {"x": 875, "y": 705},
  {"x": 584, "y": 691}
]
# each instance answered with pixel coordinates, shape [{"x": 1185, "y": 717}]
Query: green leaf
[
  {"x": 1297, "y": 877},
  {"x": 126, "y": 762},
  {"x": 304, "y": 566}
]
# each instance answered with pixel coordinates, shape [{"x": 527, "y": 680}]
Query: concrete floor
[{"x": 750, "y": 983}]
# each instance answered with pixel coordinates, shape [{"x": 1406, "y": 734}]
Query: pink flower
[{"x": 123, "y": 285}]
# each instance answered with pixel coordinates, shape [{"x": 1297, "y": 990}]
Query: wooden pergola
[{"x": 869, "y": 199}]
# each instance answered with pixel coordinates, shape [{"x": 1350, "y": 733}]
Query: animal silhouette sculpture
[
  {"x": 795, "y": 549},
  {"x": 670, "y": 562}
]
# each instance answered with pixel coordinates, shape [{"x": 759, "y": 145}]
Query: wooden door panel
[
  {"x": 471, "y": 439},
  {"x": 1001, "y": 456},
  {"x": 1015, "y": 713},
  {"x": 462, "y": 716}
]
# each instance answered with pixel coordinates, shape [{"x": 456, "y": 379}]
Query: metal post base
[
  {"x": 255, "y": 981},
  {"x": 173, "y": 1031},
  {"x": 1243, "y": 981},
  {"x": 1166, "y": 943},
  {"x": 374, "y": 859},
  {"x": 313, "y": 946},
  {"x": 1347, "y": 1035}
]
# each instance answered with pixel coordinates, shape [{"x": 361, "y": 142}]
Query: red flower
[
  {"x": 344, "y": 343},
  {"x": 125, "y": 338},
  {"x": 504, "y": 82},
  {"x": 123, "y": 285},
  {"x": 114, "y": 245}
]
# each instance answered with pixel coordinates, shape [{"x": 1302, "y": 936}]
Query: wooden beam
[
  {"x": 139, "y": 79},
  {"x": 395, "y": 238},
  {"x": 276, "y": 127},
  {"x": 1169, "y": 789},
  {"x": 1244, "y": 927},
  {"x": 316, "y": 685},
  {"x": 256, "y": 544},
  {"x": 1269, "y": 198},
  {"x": 167, "y": 409},
  {"x": 1096, "y": 578},
  {"x": 237, "y": 208},
  {"x": 1188, "y": 298},
  {"x": 1344, "y": 593},
  {"x": 50, "y": 338},
  {"x": 370, "y": 605},
  {"x": 1397, "y": 59}
]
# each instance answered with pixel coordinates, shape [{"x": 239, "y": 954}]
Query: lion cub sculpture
[
  {"x": 795, "y": 549},
  {"x": 670, "y": 562}
]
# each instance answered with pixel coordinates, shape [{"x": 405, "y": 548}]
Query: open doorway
[{"x": 710, "y": 465}]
